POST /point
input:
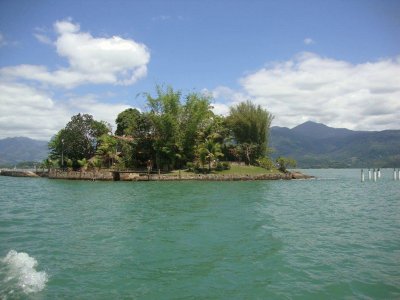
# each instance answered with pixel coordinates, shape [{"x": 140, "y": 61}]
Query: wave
[{"x": 20, "y": 273}]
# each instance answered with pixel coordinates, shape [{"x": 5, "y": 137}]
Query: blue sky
[{"x": 335, "y": 62}]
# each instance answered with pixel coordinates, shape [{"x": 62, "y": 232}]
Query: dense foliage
[
  {"x": 78, "y": 140},
  {"x": 250, "y": 125},
  {"x": 174, "y": 131}
]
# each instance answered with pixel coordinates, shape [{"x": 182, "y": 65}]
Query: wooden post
[{"x": 362, "y": 175}]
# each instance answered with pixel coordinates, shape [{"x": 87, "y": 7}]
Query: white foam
[{"x": 21, "y": 268}]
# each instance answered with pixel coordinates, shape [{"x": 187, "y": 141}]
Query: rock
[
  {"x": 15, "y": 173},
  {"x": 298, "y": 175}
]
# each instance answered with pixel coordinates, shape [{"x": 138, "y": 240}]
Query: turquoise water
[{"x": 330, "y": 238}]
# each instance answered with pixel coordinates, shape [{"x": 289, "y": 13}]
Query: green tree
[
  {"x": 107, "y": 150},
  {"x": 209, "y": 151},
  {"x": 250, "y": 127},
  {"x": 83, "y": 164},
  {"x": 137, "y": 145},
  {"x": 143, "y": 143},
  {"x": 284, "y": 163},
  {"x": 127, "y": 121},
  {"x": 78, "y": 140},
  {"x": 164, "y": 114},
  {"x": 196, "y": 117},
  {"x": 49, "y": 164}
]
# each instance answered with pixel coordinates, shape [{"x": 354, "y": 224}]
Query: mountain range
[
  {"x": 315, "y": 145},
  {"x": 312, "y": 145},
  {"x": 21, "y": 149}
]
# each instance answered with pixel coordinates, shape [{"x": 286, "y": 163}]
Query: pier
[{"x": 376, "y": 174}]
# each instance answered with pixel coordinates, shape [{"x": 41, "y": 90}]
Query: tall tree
[
  {"x": 127, "y": 121},
  {"x": 107, "y": 150},
  {"x": 138, "y": 127},
  {"x": 164, "y": 114},
  {"x": 78, "y": 140},
  {"x": 195, "y": 118},
  {"x": 250, "y": 127}
]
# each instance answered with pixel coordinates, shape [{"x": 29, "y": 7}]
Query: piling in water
[{"x": 362, "y": 175}]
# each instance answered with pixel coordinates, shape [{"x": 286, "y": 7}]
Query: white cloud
[
  {"x": 99, "y": 110},
  {"x": 31, "y": 112},
  {"x": 220, "y": 109},
  {"x": 337, "y": 93},
  {"x": 27, "y": 111},
  {"x": 3, "y": 41},
  {"x": 27, "y": 106},
  {"x": 308, "y": 41},
  {"x": 91, "y": 60},
  {"x": 43, "y": 38},
  {"x": 225, "y": 97},
  {"x": 66, "y": 26}
]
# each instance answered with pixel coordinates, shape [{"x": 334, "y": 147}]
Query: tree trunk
[{"x": 248, "y": 154}]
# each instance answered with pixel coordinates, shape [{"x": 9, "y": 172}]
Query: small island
[{"x": 178, "y": 137}]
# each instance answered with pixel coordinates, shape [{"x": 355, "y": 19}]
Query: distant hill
[
  {"x": 316, "y": 145},
  {"x": 21, "y": 149},
  {"x": 312, "y": 129}
]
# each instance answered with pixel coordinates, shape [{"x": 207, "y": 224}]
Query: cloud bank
[
  {"x": 31, "y": 112},
  {"x": 27, "y": 111},
  {"x": 337, "y": 93},
  {"x": 91, "y": 60},
  {"x": 28, "y": 105}
]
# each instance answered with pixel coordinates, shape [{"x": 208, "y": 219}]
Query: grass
[
  {"x": 234, "y": 170},
  {"x": 244, "y": 170}
]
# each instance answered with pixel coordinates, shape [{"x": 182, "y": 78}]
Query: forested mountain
[
  {"x": 21, "y": 149},
  {"x": 316, "y": 145}
]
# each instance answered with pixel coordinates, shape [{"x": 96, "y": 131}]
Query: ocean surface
[{"x": 334, "y": 237}]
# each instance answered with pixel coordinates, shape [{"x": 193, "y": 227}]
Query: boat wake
[{"x": 19, "y": 275}]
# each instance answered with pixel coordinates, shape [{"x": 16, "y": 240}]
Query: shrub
[
  {"x": 219, "y": 166},
  {"x": 285, "y": 162},
  {"x": 265, "y": 163},
  {"x": 190, "y": 166},
  {"x": 226, "y": 165}
]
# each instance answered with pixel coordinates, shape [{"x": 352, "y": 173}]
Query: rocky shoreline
[
  {"x": 107, "y": 175},
  {"x": 18, "y": 173}
]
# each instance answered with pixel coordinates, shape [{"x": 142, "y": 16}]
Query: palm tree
[
  {"x": 107, "y": 149},
  {"x": 209, "y": 151}
]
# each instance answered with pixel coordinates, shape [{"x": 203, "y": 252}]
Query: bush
[
  {"x": 265, "y": 163},
  {"x": 190, "y": 166},
  {"x": 219, "y": 166},
  {"x": 226, "y": 165},
  {"x": 285, "y": 162},
  {"x": 222, "y": 166}
]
